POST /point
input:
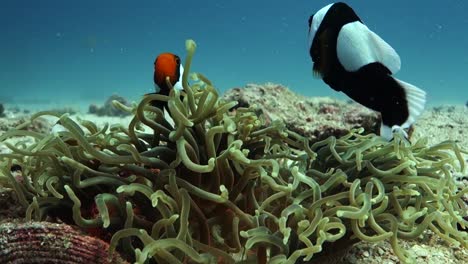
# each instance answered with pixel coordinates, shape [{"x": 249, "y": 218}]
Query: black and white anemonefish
[
  {"x": 167, "y": 65},
  {"x": 349, "y": 57}
]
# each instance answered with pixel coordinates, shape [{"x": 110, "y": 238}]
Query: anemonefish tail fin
[
  {"x": 416, "y": 99},
  {"x": 388, "y": 132}
]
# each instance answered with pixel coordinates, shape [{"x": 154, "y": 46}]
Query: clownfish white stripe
[
  {"x": 357, "y": 46},
  {"x": 318, "y": 17},
  {"x": 178, "y": 84}
]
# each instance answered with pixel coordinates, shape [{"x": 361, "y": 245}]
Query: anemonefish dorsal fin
[
  {"x": 167, "y": 65},
  {"x": 357, "y": 46},
  {"x": 389, "y": 132}
]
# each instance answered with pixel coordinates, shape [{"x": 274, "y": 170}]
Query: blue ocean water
[{"x": 70, "y": 51}]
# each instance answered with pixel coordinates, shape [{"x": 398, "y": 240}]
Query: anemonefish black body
[
  {"x": 167, "y": 65},
  {"x": 349, "y": 57}
]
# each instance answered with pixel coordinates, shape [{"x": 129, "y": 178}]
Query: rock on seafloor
[
  {"x": 428, "y": 248},
  {"x": 108, "y": 109},
  {"x": 314, "y": 117},
  {"x": 9, "y": 204},
  {"x": 2, "y": 110},
  {"x": 40, "y": 125},
  {"x": 44, "y": 242},
  {"x": 445, "y": 122}
]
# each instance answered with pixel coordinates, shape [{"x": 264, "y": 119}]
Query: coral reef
[
  {"x": 64, "y": 110},
  {"x": 428, "y": 248},
  {"x": 108, "y": 109},
  {"x": 220, "y": 187},
  {"x": 39, "y": 125},
  {"x": 444, "y": 122},
  {"x": 2, "y": 110},
  {"x": 16, "y": 110},
  {"x": 43, "y": 242},
  {"x": 9, "y": 206},
  {"x": 316, "y": 118},
  {"x": 23, "y": 122}
]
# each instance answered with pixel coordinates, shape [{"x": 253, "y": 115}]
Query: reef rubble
[
  {"x": 314, "y": 117},
  {"x": 444, "y": 122},
  {"x": 108, "y": 109},
  {"x": 45, "y": 242}
]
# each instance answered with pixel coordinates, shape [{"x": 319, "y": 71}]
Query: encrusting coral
[
  {"x": 43, "y": 242},
  {"x": 316, "y": 118},
  {"x": 221, "y": 187}
]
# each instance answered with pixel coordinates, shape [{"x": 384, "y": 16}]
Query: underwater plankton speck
[{"x": 219, "y": 186}]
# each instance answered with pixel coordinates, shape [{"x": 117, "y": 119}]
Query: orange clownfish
[{"x": 167, "y": 65}]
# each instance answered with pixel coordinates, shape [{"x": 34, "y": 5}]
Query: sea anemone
[{"x": 221, "y": 187}]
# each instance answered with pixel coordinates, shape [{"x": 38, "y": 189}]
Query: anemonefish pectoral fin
[
  {"x": 316, "y": 71},
  {"x": 357, "y": 46},
  {"x": 416, "y": 101}
]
